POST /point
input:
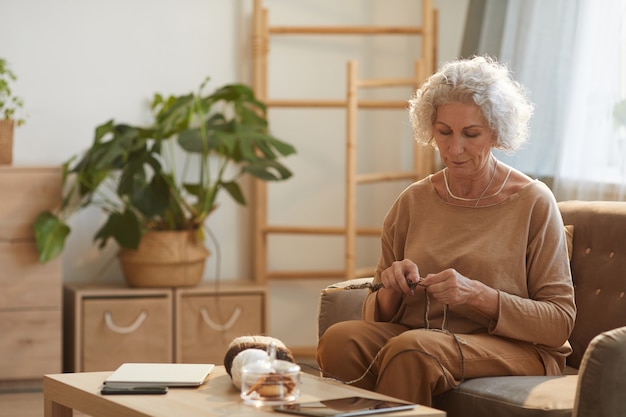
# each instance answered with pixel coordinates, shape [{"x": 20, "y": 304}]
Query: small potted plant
[
  {"x": 130, "y": 173},
  {"x": 9, "y": 104}
]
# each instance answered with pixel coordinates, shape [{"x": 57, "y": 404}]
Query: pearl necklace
[{"x": 482, "y": 195}]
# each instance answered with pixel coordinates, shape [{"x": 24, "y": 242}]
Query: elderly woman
[{"x": 474, "y": 278}]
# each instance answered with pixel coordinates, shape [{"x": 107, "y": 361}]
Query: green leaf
[
  {"x": 153, "y": 198},
  {"x": 132, "y": 177},
  {"x": 253, "y": 115},
  {"x": 233, "y": 92},
  {"x": 247, "y": 149},
  {"x": 264, "y": 146},
  {"x": 103, "y": 130},
  {"x": 235, "y": 192},
  {"x": 124, "y": 227},
  {"x": 268, "y": 170},
  {"x": 284, "y": 148},
  {"x": 191, "y": 140},
  {"x": 174, "y": 114},
  {"x": 50, "y": 235}
]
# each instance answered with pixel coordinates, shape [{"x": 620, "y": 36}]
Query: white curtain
[{"x": 571, "y": 56}]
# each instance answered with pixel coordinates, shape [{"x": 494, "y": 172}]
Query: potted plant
[
  {"x": 130, "y": 173},
  {"x": 9, "y": 104}
]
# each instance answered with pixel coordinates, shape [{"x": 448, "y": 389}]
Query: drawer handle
[
  {"x": 220, "y": 327},
  {"x": 128, "y": 329}
]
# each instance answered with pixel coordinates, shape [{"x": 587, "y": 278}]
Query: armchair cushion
[
  {"x": 341, "y": 301},
  {"x": 602, "y": 379},
  {"x": 511, "y": 396}
]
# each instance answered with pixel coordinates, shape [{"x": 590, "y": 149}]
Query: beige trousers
[{"x": 415, "y": 365}]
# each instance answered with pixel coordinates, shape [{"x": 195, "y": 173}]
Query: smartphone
[{"x": 107, "y": 390}]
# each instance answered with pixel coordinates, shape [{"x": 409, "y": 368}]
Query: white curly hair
[{"x": 480, "y": 80}]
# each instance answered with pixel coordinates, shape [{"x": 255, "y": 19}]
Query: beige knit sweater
[{"x": 517, "y": 246}]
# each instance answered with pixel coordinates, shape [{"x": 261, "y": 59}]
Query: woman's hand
[
  {"x": 452, "y": 288},
  {"x": 398, "y": 276},
  {"x": 394, "y": 280}
]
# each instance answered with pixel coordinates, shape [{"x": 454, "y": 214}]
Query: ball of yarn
[
  {"x": 239, "y": 350},
  {"x": 242, "y": 359},
  {"x": 242, "y": 343}
]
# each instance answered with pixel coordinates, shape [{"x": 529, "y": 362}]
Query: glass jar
[{"x": 270, "y": 381}]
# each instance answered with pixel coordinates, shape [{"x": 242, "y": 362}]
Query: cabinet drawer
[
  {"x": 206, "y": 324},
  {"x": 125, "y": 329},
  {"x": 26, "y": 191},
  {"x": 25, "y": 282},
  {"x": 30, "y": 342}
]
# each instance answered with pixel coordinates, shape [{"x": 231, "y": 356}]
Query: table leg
[{"x": 54, "y": 409}]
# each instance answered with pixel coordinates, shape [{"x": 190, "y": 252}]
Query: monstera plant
[{"x": 167, "y": 176}]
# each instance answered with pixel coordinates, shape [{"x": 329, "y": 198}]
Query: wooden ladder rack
[{"x": 423, "y": 159}]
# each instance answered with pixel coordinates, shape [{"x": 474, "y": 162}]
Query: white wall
[{"x": 80, "y": 63}]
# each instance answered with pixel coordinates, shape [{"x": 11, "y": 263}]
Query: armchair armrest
[
  {"x": 341, "y": 301},
  {"x": 601, "y": 380}
]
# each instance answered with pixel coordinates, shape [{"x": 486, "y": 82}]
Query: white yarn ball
[{"x": 242, "y": 359}]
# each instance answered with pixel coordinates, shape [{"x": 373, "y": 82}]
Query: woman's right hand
[
  {"x": 396, "y": 276},
  {"x": 394, "y": 280}
]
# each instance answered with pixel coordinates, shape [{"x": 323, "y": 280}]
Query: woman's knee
[
  {"x": 338, "y": 335},
  {"x": 414, "y": 340}
]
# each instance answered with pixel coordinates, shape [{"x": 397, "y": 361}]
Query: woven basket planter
[{"x": 165, "y": 259}]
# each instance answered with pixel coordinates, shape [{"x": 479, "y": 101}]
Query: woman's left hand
[{"x": 452, "y": 288}]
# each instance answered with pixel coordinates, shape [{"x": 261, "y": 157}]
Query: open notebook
[{"x": 159, "y": 374}]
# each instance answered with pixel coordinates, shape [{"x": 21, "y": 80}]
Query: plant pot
[
  {"x": 6, "y": 141},
  {"x": 165, "y": 259}
]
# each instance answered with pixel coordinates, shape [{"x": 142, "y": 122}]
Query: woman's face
[{"x": 463, "y": 137}]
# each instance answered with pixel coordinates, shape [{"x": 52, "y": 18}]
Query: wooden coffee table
[{"x": 64, "y": 393}]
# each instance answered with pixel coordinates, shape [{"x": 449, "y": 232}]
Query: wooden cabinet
[
  {"x": 30, "y": 292},
  {"x": 107, "y": 325}
]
